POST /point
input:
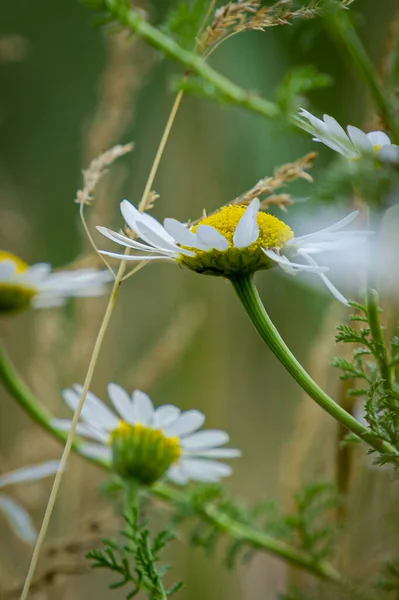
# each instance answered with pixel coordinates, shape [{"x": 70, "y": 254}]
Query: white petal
[
  {"x": 48, "y": 301},
  {"x": 35, "y": 274},
  {"x": 19, "y": 519},
  {"x": 290, "y": 266},
  {"x": 378, "y": 138},
  {"x": 214, "y": 453},
  {"x": 182, "y": 235},
  {"x": 335, "y": 129},
  {"x": 7, "y": 270},
  {"x": 189, "y": 421},
  {"x": 81, "y": 429},
  {"x": 211, "y": 238},
  {"x": 151, "y": 237},
  {"x": 205, "y": 440},
  {"x": 318, "y": 124},
  {"x": 336, "y": 293},
  {"x": 335, "y": 227},
  {"x": 141, "y": 258},
  {"x": 389, "y": 154},
  {"x": 199, "y": 469},
  {"x": 359, "y": 139},
  {"x": 122, "y": 402},
  {"x": 132, "y": 217},
  {"x": 165, "y": 415},
  {"x": 177, "y": 475},
  {"x": 143, "y": 407},
  {"x": 31, "y": 473},
  {"x": 94, "y": 412},
  {"x": 123, "y": 240},
  {"x": 96, "y": 451},
  {"x": 247, "y": 230}
]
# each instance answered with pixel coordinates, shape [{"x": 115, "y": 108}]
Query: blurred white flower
[
  {"x": 330, "y": 239},
  {"x": 351, "y": 144},
  {"x": 22, "y": 285},
  {"x": 234, "y": 240},
  {"x": 146, "y": 443},
  {"x": 16, "y": 515}
]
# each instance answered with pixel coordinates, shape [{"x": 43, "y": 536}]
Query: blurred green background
[{"x": 68, "y": 91}]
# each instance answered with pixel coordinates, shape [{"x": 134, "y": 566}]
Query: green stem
[
  {"x": 248, "y": 294},
  {"x": 135, "y": 22},
  {"x": 339, "y": 22},
  {"x": 380, "y": 354},
  {"x": 255, "y": 538},
  {"x": 27, "y": 401}
]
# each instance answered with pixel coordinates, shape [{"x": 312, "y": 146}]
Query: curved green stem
[
  {"x": 381, "y": 354},
  {"x": 339, "y": 22},
  {"x": 120, "y": 11},
  {"x": 255, "y": 538},
  {"x": 248, "y": 294},
  {"x": 239, "y": 531}
]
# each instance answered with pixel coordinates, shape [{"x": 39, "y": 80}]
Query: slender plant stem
[
  {"x": 92, "y": 365},
  {"x": 381, "y": 354},
  {"x": 142, "y": 205},
  {"x": 249, "y": 296},
  {"x": 71, "y": 433},
  {"x": 132, "y": 20},
  {"x": 339, "y": 23},
  {"x": 253, "y": 537},
  {"x": 30, "y": 404}
]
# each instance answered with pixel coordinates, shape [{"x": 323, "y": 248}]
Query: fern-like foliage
[
  {"x": 135, "y": 561},
  {"x": 209, "y": 509},
  {"x": 184, "y": 20},
  {"x": 372, "y": 372}
]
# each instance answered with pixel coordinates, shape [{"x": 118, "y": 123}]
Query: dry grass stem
[
  {"x": 282, "y": 175},
  {"x": 169, "y": 348},
  {"x": 96, "y": 170},
  {"x": 245, "y": 15},
  {"x": 65, "y": 557}
]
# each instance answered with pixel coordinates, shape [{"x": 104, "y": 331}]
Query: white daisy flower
[
  {"x": 351, "y": 144},
  {"x": 16, "y": 515},
  {"x": 22, "y": 285},
  {"x": 146, "y": 443},
  {"x": 235, "y": 240}
]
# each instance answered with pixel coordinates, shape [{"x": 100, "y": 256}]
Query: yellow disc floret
[
  {"x": 273, "y": 233},
  {"x": 143, "y": 453},
  {"x": 14, "y": 296}
]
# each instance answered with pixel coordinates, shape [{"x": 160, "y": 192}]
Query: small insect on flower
[
  {"x": 147, "y": 443},
  {"x": 353, "y": 144},
  {"x": 22, "y": 286},
  {"x": 16, "y": 515},
  {"x": 235, "y": 240}
]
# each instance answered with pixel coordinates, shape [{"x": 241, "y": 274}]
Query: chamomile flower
[
  {"x": 234, "y": 240},
  {"x": 351, "y": 144},
  {"x": 16, "y": 515},
  {"x": 146, "y": 443},
  {"x": 22, "y": 286}
]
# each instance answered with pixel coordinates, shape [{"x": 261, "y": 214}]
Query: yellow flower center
[
  {"x": 377, "y": 147},
  {"x": 143, "y": 453},
  {"x": 14, "y": 296},
  {"x": 273, "y": 233}
]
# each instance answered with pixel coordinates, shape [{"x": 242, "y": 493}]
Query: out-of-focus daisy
[
  {"x": 22, "y": 285},
  {"x": 16, "y": 515},
  {"x": 351, "y": 144},
  {"x": 146, "y": 443},
  {"x": 234, "y": 240}
]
